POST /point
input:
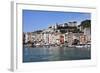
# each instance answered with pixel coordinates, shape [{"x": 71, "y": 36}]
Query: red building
[{"x": 62, "y": 39}]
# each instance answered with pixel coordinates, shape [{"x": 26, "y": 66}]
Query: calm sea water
[{"x": 39, "y": 54}]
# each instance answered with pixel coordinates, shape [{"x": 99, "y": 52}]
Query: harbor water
[{"x": 43, "y": 54}]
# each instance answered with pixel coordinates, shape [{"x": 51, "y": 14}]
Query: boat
[
  {"x": 82, "y": 45},
  {"x": 79, "y": 46}
]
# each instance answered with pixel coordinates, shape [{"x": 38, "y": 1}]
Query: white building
[
  {"x": 87, "y": 33},
  {"x": 72, "y": 24},
  {"x": 26, "y": 38}
]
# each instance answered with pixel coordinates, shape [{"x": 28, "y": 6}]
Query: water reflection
[{"x": 55, "y": 54}]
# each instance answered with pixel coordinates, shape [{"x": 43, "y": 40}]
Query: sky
[{"x": 37, "y": 20}]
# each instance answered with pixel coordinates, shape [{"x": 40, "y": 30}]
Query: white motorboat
[{"x": 82, "y": 46}]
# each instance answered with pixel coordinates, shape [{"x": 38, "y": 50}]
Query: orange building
[{"x": 83, "y": 39}]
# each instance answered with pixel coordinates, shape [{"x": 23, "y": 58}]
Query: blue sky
[{"x": 35, "y": 20}]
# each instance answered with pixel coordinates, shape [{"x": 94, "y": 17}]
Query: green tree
[{"x": 86, "y": 24}]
